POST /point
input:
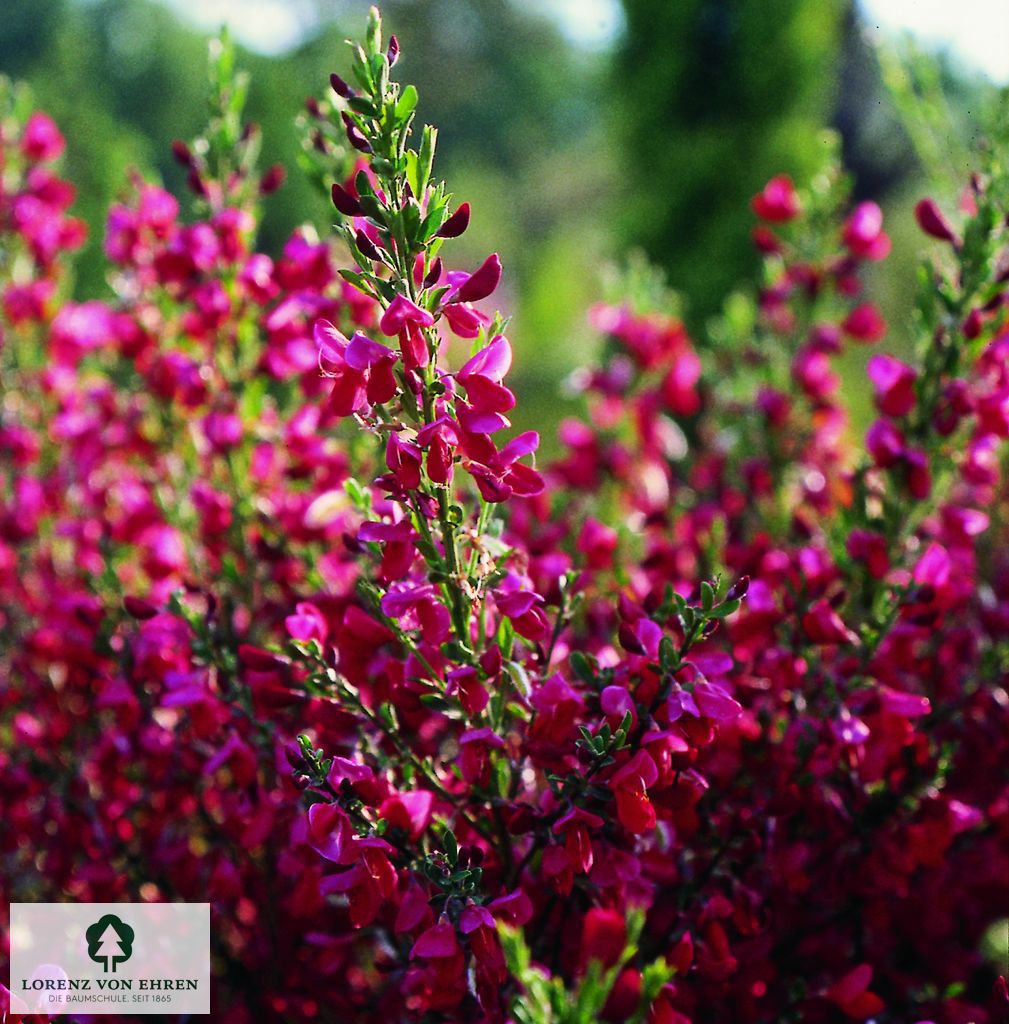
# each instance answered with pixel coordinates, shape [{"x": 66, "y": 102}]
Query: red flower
[
  {"x": 630, "y": 787},
  {"x": 777, "y": 202}
]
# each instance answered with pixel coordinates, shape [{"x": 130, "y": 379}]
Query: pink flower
[
  {"x": 330, "y": 833},
  {"x": 893, "y": 382},
  {"x": 475, "y": 746},
  {"x": 777, "y": 202},
  {"x": 864, "y": 323},
  {"x": 869, "y": 548},
  {"x": 630, "y": 785},
  {"x": 499, "y": 474},
  {"x": 863, "y": 232},
  {"x": 714, "y": 702},
  {"x": 604, "y": 935},
  {"x": 575, "y": 826},
  {"x": 308, "y": 623},
  {"x": 885, "y": 443},
  {"x": 362, "y": 369},
  {"x": 404, "y": 461},
  {"x": 557, "y": 706},
  {"x": 824, "y": 626},
  {"x": 402, "y": 312},
  {"x": 487, "y": 397},
  {"x": 41, "y": 139},
  {"x": 851, "y": 994}
]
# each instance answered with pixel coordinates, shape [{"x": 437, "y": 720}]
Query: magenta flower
[
  {"x": 630, "y": 787},
  {"x": 824, "y": 626},
  {"x": 438, "y": 941},
  {"x": 402, "y": 312},
  {"x": 864, "y": 323},
  {"x": 361, "y": 369},
  {"x": 41, "y": 140},
  {"x": 778, "y": 202},
  {"x": 863, "y": 232},
  {"x": 499, "y": 474},
  {"x": 893, "y": 382}
]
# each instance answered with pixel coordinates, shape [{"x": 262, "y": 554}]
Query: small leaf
[{"x": 407, "y": 103}]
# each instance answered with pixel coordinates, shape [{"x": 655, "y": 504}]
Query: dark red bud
[
  {"x": 294, "y": 756},
  {"x": 456, "y": 224},
  {"x": 272, "y": 180},
  {"x": 491, "y": 661},
  {"x": 182, "y": 153},
  {"x": 972, "y": 324},
  {"x": 250, "y": 131},
  {"x": 765, "y": 240},
  {"x": 340, "y": 87},
  {"x": 629, "y": 639},
  {"x": 139, "y": 608},
  {"x": 354, "y": 136},
  {"x": 260, "y": 660},
  {"x": 434, "y": 274},
  {"x": 367, "y": 247},
  {"x": 1000, "y": 994},
  {"x": 521, "y": 820},
  {"x": 312, "y": 106},
  {"x": 392, "y": 55},
  {"x": 196, "y": 184},
  {"x": 738, "y": 589},
  {"x": 345, "y": 202},
  {"x": 923, "y": 594},
  {"x": 931, "y": 220},
  {"x": 482, "y": 282}
]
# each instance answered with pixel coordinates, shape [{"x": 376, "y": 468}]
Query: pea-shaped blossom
[{"x": 361, "y": 369}]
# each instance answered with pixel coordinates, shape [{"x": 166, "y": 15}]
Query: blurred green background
[{"x": 576, "y": 138}]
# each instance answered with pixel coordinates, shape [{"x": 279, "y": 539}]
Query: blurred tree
[
  {"x": 714, "y": 97},
  {"x": 520, "y": 136},
  {"x": 517, "y": 107}
]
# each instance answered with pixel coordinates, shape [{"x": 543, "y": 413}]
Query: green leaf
[
  {"x": 451, "y": 847},
  {"x": 428, "y": 144},
  {"x": 584, "y": 666},
  {"x": 727, "y": 608},
  {"x": 413, "y": 171},
  {"x": 407, "y": 104},
  {"x": 359, "y": 281}
]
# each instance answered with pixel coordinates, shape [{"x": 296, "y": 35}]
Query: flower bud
[
  {"x": 340, "y": 87},
  {"x": 366, "y": 246},
  {"x": 272, "y": 179},
  {"x": 182, "y": 153},
  {"x": 345, "y": 202},
  {"x": 456, "y": 224},
  {"x": 931, "y": 220}
]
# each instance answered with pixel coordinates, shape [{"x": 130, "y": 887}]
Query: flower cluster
[{"x": 705, "y": 721}]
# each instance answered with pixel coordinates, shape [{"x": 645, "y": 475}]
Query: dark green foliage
[{"x": 715, "y": 97}]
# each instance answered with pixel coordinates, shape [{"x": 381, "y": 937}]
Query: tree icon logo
[{"x": 110, "y": 942}]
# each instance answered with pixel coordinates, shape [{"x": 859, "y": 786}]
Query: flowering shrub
[{"x": 706, "y": 721}]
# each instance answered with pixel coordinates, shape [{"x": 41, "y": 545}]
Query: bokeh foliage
[{"x": 570, "y": 157}]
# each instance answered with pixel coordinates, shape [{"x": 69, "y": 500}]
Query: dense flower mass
[{"x": 705, "y": 721}]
